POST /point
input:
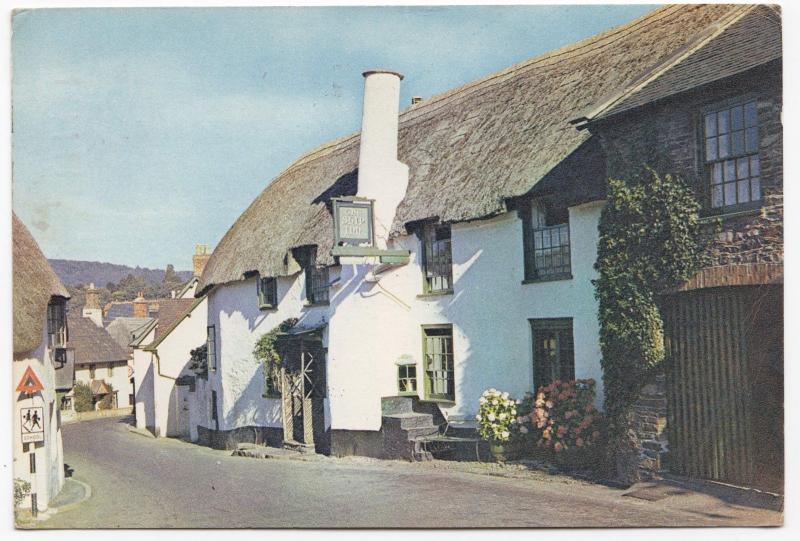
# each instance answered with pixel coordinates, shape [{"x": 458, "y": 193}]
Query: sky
[{"x": 138, "y": 133}]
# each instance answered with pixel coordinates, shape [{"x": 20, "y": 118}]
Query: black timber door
[
  {"x": 304, "y": 390},
  {"x": 724, "y": 373}
]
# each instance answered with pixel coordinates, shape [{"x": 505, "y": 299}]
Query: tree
[
  {"x": 83, "y": 399},
  {"x": 650, "y": 241}
]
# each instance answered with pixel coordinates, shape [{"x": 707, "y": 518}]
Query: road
[{"x": 142, "y": 482}]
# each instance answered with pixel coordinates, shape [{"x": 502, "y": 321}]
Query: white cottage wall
[
  {"x": 49, "y": 476},
  {"x": 143, "y": 383}
]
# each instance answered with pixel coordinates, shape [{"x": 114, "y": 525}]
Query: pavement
[{"x": 160, "y": 483}]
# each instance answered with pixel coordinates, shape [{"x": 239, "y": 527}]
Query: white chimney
[
  {"x": 91, "y": 309},
  {"x": 380, "y": 176}
]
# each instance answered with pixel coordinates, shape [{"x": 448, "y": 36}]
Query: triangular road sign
[{"x": 30, "y": 382}]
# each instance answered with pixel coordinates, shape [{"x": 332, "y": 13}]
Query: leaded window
[
  {"x": 553, "y": 351},
  {"x": 547, "y": 241},
  {"x": 211, "y": 350},
  {"x": 437, "y": 259},
  {"x": 267, "y": 289},
  {"x": 57, "y": 323},
  {"x": 731, "y": 155},
  {"x": 317, "y": 284},
  {"x": 438, "y": 360},
  {"x": 407, "y": 379}
]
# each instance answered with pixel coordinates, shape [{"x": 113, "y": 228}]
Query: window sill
[
  {"x": 267, "y": 307},
  {"x": 446, "y": 402},
  {"x": 553, "y": 278},
  {"x": 412, "y": 393},
  {"x": 435, "y": 293},
  {"x": 309, "y": 304},
  {"x": 709, "y": 216}
]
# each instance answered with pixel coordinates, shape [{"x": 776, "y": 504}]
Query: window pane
[
  {"x": 711, "y": 124},
  {"x": 711, "y": 149},
  {"x": 730, "y": 193},
  {"x": 716, "y": 173},
  {"x": 730, "y": 170},
  {"x": 741, "y": 168},
  {"x": 737, "y": 143},
  {"x": 755, "y": 167},
  {"x": 750, "y": 114},
  {"x": 755, "y": 188},
  {"x": 716, "y": 196},
  {"x": 737, "y": 118},
  {"x": 751, "y": 139},
  {"x": 744, "y": 191},
  {"x": 722, "y": 121},
  {"x": 724, "y": 147}
]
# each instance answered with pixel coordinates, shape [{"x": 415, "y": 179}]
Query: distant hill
[{"x": 73, "y": 273}]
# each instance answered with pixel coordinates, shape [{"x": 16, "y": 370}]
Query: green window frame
[
  {"x": 553, "y": 351},
  {"x": 437, "y": 259},
  {"x": 317, "y": 284},
  {"x": 267, "y": 291},
  {"x": 437, "y": 355},
  {"x": 407, "y": 379},
  {"x": 546, "y": 239},
  {"x": 211, "y": 347},
  {"x": 731, "y": 155}
]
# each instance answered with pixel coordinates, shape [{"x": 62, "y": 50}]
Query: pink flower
[
  {"x": 558, "y": 447},
  {"x": 595, "y": 435}
]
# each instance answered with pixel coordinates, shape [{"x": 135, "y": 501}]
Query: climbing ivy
[
  {"x": 266, "y": 351},
  {"x": 650, "y": 241}
]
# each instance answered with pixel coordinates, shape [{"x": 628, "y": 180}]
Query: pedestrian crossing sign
[
  {"x": 30, "y": 382},
  {"x": 32, "y": 424}
]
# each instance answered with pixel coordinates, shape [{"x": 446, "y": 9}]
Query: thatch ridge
[
  {"x": 468, "y": 150},
  {"x": 34, "y": 284}
]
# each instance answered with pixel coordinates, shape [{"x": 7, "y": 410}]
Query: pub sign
[{"x": 352, "y": 219}]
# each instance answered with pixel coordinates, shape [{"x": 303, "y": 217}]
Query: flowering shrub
[
  {"x": 496, "y": 416},
  {"x": 565, "y": 416}
]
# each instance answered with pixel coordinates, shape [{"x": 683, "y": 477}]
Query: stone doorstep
[{"x": 250, "y": 450}]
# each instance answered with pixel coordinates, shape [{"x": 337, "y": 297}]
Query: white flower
[
  {"x": 505, "y": 396},
  {"x": 478, "y": 417},
  {"x": 505, "y": 434},
  {"x": 523, "y": 429},
  {"x": 494, "y": 402},
  {"x": 518, "y": 401},
  {"x": 485, "y": 393},
  {"x": 482, "y": 400},
  {"x": 491, "y": 417},
  {"x": 502, "y": 416},
  {"x": 493, "y": 390}
]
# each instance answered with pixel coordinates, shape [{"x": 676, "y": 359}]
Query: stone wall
[
  {"x": 650, "y": 424},
  {"x": 230, "y": 439}
]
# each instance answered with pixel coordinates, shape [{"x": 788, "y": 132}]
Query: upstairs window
[
  {"x": 437, "y": 259},
  {"x": 547, "y": 241},
  {"x": 317, "y": 284},
  {"x": 211, "y": 349},
  {"x": 57, "y": 323},
  {"x": 267, "y": 289},
  {"x": 731, "y": 155}
]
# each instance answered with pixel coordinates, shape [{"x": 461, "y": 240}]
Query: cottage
[
  {"x": 450, "y": 247},
  {"x": 40, "y": 335},
  {"x": 99, "y": 363}
]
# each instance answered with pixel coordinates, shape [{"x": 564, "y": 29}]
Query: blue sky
[{"x": 140, "y": 132}]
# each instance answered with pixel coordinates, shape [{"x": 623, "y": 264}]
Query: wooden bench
[{"x": 423, "y": 443}]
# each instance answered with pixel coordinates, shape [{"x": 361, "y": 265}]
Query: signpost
[{"x": 31, "y": 426}]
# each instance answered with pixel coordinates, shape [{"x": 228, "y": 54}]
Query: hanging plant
[{"x": 266, "y": 351}]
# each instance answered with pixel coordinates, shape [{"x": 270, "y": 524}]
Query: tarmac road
[{"x": 161, "y": 483}]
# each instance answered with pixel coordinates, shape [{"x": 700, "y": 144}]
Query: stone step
[
  {"x": 407, "y": 421},
  {"x": 299, "y": 447},
  {"x": 391, "y": 405}
]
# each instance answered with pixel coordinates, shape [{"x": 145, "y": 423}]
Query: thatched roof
[
  {"x": 748, "y": 37},
  {"x": 468, "y": 150},
  {"x": 92, "y": 344},
  {"x": 34, "y": 285}
]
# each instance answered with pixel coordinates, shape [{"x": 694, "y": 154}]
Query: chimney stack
[
  {"x": 415, "y": 100},
  {"x": 91, "y": 308},
  {"x": 200, "y": 258},
  {"x": 140, "y": 306},
  {"x": 380, "y": 176}
]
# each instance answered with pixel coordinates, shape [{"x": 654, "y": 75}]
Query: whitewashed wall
[
  {"x": 239, "y": 379},
  {"x": 49, "y": 476},
  {"x": 372, "y": 324},
  {"x": 171, "y": 361},
  {"x": 118, "y": 378},
  {"x": 143, "y": 374}
]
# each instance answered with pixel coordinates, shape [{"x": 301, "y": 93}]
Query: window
[
  {"x": 110, "y": 370},
  {"x": 731, "y": 155},
  {"x": 317, "y": 284},
  {"x": 267, "y": 292},
  {"x": 407, "y": 379},
  {"x": 553, "y": 352},
  {"x": 91, "y": 371},
  {"x": 57, "y": 323},
  {"x": 214, "y": 417},
  {"x": 211, "y": 349},
  {"x": 437, "y": 259},
  {"x": 546, "y": 241},
  {"x": 438, "y": 360}
]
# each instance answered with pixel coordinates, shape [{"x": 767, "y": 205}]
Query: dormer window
[
  {"x": 317, "y": 284},
  {"x": 57, "y": 323},
  {"x": 546, "y": 240},
  {"x": 267, "y": 290},
  {"x": 437, "y": 259}
]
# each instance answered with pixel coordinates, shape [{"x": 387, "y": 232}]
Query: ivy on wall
[
  {"x": 650, "y": 241},
  {"x": 266, "y": 350}
]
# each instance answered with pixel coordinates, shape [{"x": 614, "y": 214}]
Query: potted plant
[{"x": 496, "y": 419}]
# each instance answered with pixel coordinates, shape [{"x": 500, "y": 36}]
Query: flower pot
[{"x": 498, "y": 451}]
